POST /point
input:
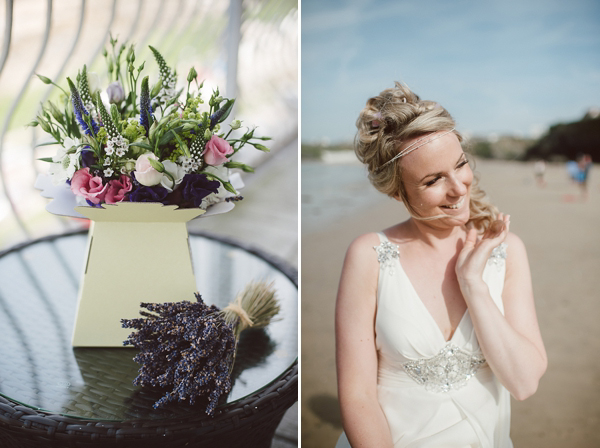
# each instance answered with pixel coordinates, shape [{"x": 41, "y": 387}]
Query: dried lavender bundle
[
  {"x": 187, "y": 347},
  {"x": 190, "y": 347}
]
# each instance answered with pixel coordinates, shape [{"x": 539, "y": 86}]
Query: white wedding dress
[{"x": 435, "y": 393}]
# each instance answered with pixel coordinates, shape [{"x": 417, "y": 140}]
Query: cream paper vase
[{"x": 136, "y": 252}]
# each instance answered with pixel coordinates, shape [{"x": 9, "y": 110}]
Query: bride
[{"x": 435, "y": 317}]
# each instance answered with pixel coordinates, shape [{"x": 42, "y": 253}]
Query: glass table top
[{"x": 40, "y": 369}]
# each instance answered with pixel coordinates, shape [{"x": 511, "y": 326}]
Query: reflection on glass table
[{"x": 59, "y": 386}]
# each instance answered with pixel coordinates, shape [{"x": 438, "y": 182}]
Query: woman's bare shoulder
[
  {"x": 363, "y": 244},
  {"x": 514, "y": 244},
  {"x": 516, "y": 254},
  {"x": 366, "y": 243}
]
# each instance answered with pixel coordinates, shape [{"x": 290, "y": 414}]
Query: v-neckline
[{"x": 427, "y": 312}]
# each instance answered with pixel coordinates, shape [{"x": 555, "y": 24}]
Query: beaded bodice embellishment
[
  {"x": 386, "y": 253},
  {"x": 449, "y": 370},
  {"x": 498, "y": 256}
]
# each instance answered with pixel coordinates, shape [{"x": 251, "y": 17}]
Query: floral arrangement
[
  {"x": 153, "y": 146},
  {"x": 190, "y": 347}
]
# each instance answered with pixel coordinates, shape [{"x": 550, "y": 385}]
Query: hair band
[{"x": 414, "y": 145}]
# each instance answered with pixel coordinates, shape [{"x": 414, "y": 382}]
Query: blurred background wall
[{"x": 248, "y": 48}]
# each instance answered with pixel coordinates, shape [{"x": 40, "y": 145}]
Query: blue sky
[{"x": 499, "y": 66}]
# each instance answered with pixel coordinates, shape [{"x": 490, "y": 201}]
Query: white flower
[
  {"x": 68, "y": 144},
  {"x": 188, "y": 164},
  {"x": 66, "y": 161},
  {"x": 145, "y": 173},
  {"x": 222, "y": 173},
  {"x": 178, "y": 172},
  {"x": 110, "y": 148},
  {"x": 108, "y": 172},
  {"x": 121, "y": 152},
  {"x": 57, "y": 173},
  {"x": 107, "y": 161},
  {"x": 73, "y": 164}
]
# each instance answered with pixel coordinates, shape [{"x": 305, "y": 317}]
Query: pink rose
[
  {"x": 215, "y": 151},
  {"x": 88, "y": 186},
  {"x": 117, "y": 188}
]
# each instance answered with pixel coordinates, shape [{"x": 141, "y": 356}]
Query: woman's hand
[
  {"x": 509, "y": 336},
  {"x": 473, "y": 257}
]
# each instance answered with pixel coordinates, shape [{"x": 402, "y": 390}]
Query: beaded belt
[{"x": 449, "y": 370}]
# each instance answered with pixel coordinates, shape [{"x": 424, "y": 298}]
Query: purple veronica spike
[
  {"x": 80, "y": 111},
  {"x": 145, "y": 106}
]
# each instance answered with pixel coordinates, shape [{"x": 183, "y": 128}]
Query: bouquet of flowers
[
  {"x": 190, "y": 347},
  {"x": 155, "y": 145}
]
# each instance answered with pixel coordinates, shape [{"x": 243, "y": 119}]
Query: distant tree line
[
  {"x": 564, "y": 141},
  {"x": 567, "y": 141}
]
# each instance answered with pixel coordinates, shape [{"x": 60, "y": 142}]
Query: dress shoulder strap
[
  {"x": 498, "y": 256},
  {"x": 387, "y": 252}
]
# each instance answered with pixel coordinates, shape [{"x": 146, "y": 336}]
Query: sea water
[{"x": 331, "y": 192}]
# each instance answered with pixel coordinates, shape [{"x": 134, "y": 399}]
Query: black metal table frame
[{"x": 248, "y": 422}]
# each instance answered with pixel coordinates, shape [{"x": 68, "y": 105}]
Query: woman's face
[{"x": 437, "y": 179}]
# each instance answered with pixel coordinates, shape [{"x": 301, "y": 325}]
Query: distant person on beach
[
  {"x": 435, "y": 317},
  {"x": 539, "y": 170},
  {"x": 584, "y": 163},
  {"x": 579, "y": 171}
]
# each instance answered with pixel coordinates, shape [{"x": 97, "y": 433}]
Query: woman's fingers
[
  {"x": 471, "y": 238},
  {"x": 497, "y": 227}
]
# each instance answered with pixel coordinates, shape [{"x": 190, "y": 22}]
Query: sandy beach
[{"x": 560, "y": 232}]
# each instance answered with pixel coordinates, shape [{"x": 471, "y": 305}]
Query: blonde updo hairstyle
[{"x": 392, "y": 118}]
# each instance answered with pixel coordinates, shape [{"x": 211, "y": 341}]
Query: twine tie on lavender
[{"x": 235, "y": 307}]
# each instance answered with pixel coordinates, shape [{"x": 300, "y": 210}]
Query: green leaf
[
  {"x": 185, "y": 148},
  {"x": 46, "y": 159},
  {"x": 227, "y": 108},
  {"x": 169, "y": 135},
  {"x": 47, "y": 144},
  {"x": 142, "y": 145}
]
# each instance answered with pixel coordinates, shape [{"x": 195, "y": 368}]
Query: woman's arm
[
  {"x": 356, "y": 354},
  {"x": 511, "y": 343}
]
